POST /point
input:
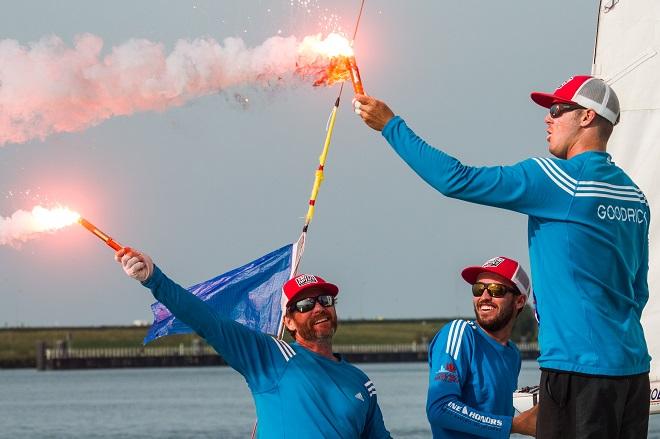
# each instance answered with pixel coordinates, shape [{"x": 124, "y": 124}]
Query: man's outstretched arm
[
  {"x": 255, "y": 355},
  {"x": 523, "y": 187}
]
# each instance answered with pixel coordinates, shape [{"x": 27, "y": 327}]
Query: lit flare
[
  {"x": 25, "y": 225},
  {"x": 330, "y": 61},
  {"x": 49, "y": 220}
]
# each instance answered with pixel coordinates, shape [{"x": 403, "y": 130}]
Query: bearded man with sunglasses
[
  {"x": 473, "y": 366},
  {"x": 300, "y": 390},
  {"x": 588, "y": 245}
]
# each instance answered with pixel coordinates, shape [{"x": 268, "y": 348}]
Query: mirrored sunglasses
[
  {"x": 557, "y": 110},
  {"x": 307, "y": 304},
  {"x": 494, "y": 289}
]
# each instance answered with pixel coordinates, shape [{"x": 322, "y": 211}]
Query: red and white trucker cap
[
  {"x": 302, "y": 282},
  {"x": 503, "y": 266},
  {"x": 585, "y": 91}
]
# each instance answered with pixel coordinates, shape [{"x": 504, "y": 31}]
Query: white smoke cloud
[
  {"x": 48, "y": 87},
  {"x": 23, "y": 225}
]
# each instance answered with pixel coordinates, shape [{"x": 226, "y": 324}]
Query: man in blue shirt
[
  {"x": 474, "y": 366},
  {"x": 300, "y": 390},
  {"x": 588, "y": 228}
]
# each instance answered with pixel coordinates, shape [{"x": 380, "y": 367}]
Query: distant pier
[{"x": 62, "y": 357}]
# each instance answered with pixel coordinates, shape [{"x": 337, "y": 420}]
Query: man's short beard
[
  {"x": 307, "y": 332},
  {"x": 502, "y": 319}
]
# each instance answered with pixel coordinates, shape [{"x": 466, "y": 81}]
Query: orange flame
[
  {"x": 335, "y": 72},
  {"x": 326, "y": 60}
]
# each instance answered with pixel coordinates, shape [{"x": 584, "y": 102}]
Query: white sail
[{"x": 627, "y": 55}]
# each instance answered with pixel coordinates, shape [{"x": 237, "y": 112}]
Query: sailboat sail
[{"x": 627, "y": 56}]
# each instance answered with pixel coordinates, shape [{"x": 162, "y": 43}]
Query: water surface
[{"x": 212, "y": 402}]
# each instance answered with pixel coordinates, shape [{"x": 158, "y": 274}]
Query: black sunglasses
[
  {"x": 307, "y": 304},
  {"x": 494, "y": 289},
  {"x": 557, "y": 110}
]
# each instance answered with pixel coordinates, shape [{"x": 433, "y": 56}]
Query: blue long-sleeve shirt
[
  {"x": 297, "y": 392},
  {"x": 472, "y": 378},
  {"x": 588, "y": 246}
]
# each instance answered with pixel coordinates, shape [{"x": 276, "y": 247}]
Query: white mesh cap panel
[
  {"x": 600, "y": 97},
  {"x": 521, "y": 280}
]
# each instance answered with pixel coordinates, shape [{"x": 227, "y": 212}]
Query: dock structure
[{"x": 62, "y": 357}]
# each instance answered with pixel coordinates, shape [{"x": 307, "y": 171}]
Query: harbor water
[{"x": 206, "y": 402}]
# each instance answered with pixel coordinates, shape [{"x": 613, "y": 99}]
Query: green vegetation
[{"x": 18, "y": 345}]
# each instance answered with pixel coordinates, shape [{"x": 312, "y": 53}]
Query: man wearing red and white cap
[
  {"x": 474, "y": 366},
  {"x": 588, "y": 246},
  {"x": 300, "y": 390}
]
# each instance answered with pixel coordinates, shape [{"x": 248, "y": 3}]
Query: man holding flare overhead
[
  {"x": 588, "y": 245},
  {"x": 300, "y": 389}
]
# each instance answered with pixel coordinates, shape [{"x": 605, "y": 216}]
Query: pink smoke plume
[{"x": 48, "y": 87}]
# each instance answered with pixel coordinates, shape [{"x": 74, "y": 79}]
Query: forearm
[
  {"x": 437, "y": 168},
  {"x": 245, "y": 350},
  {"x": 452, "y": 414},
  {"x": 185, "y": 306},
  {"x": 499, "y": 186}
]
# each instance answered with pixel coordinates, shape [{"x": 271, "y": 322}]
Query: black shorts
[{"x": 594, "y": 407}]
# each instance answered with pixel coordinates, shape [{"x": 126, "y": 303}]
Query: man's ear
[
  {"x": 289, "y": 323},
  {"x": 521, "y": 300},
  {"x": 587, "y": 117}
]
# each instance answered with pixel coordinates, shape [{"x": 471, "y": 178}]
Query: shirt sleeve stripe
[
  {"x": 613, "y": 197},
  {"x": 456, "y": 342},
  {"x": 451, "y": 332},
  {"x": 612, "y": 186},
  {"x": 370, "y": 388},
  {"x": 588, "y": 188},
  {"x": 561, "y": 172},
  {"x": 583, "y": 188},
  {"x": 595, "y": 192},
  {"x": 551, "y": 176},
  {"x": 288, "y": 348},
  {"x": 460, "y": 340},
  {"x": 457, "y": 328},
  {"x": 285, "y": 352}
]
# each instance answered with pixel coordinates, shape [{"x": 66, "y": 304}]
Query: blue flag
[{"x": 250, "y": 295}]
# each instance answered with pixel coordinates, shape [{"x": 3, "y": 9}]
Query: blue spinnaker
[{"x": 250, "y": 295}]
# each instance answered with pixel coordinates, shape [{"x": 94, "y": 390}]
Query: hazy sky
[{"x": 214, "y": 183}]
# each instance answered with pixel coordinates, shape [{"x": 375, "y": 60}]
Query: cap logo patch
[
  {"x": 564, "y": 83},
  {"x": 305, "y": 279},
  {"x": 494, "y": 262}
]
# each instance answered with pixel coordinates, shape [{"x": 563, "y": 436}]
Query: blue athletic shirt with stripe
[
  {"x": 297, "y": 393},
  {"x": 472, "y": 378},
  {"x": 588, "y": 246}
]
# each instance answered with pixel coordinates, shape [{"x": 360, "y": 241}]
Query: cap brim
[
  {"x": 470, "y": 274},
  {"x": 547, "y": 100},
  {"x": 326, "y": 287}
]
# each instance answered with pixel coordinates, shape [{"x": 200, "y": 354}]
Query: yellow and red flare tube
[
  {"x": 352, "y": 67},
  {"x": 102, "y": 236},
  {"x": 318, "y": 179}
]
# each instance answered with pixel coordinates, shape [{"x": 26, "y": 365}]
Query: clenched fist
[
  {"x": 137, "y": 265},
  {"x": 373, "y": 112}
]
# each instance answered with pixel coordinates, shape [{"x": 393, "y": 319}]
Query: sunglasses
[
  {"x": 495, "y": 290},
  {"x": 307, "y": 304},
  {"x": 557, "y": 110}
]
